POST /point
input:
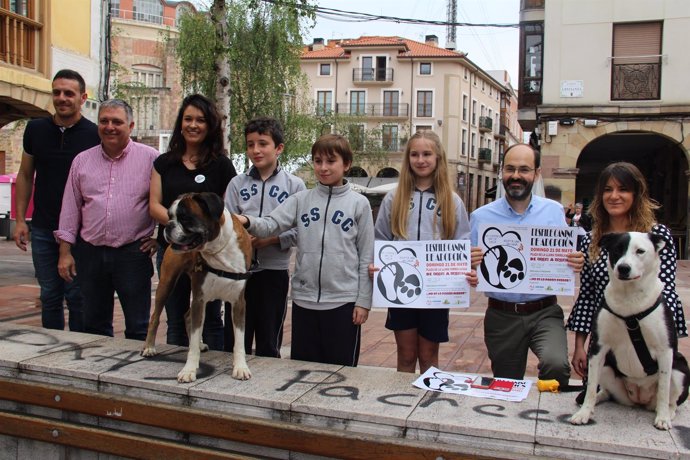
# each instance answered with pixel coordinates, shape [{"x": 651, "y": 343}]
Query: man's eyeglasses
[{"x": 522, "y": 170}]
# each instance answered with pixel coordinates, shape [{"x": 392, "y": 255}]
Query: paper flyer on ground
[
  {"x": 422, "y": 274},
  {"x": 526, "y": 259},
  {"x": 473, "y": 385}
]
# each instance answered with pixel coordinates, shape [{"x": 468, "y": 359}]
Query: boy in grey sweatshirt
[
  {"x": 256, "y": 193},
  {"x": 331, "y": 288}
]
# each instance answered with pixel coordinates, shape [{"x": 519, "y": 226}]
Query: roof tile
[{"x": 407, "y": 48}]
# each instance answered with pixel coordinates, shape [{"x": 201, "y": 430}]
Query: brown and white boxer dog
[{"x": 209, "y": 244}]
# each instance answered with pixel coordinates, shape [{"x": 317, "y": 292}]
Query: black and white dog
[{"x": 634, "y": 356}]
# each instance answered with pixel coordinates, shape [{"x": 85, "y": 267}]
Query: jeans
[
  {"x": 104, "y": 271},
  {"x": 177, "y": 305},
  {"x": 55, "y": 290}
]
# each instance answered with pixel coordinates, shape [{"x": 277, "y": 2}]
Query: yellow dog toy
[{"x": 548, "y": 385}]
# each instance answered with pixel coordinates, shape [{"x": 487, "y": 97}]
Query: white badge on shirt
[{"x": 199, "y": 179}]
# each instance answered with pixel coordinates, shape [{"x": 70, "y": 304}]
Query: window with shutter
[{"x": 636, "y": 61}]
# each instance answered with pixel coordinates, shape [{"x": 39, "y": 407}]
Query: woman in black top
[{"x": 195, "y": 162}]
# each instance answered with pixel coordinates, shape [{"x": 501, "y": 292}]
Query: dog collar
[
  {"x": 632, "y": 323},
  {"x": 201, "y": 264},
  {"x": 229, "y": 275}
]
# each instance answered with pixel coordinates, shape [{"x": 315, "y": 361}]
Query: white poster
[
  {"x": 526, "y": 259},
  {"x": 473, "y": 385},
  {"x": 422, "y": 274}
]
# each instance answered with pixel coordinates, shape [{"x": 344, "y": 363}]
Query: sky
[{"x": 490, "y": 48}]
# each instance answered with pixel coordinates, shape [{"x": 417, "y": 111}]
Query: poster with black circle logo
[
  {"x": 422, "y": 274},
  {"x": 524, "y": 259}
]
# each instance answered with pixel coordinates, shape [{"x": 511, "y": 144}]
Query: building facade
[
  {"x": 38, "y": 38},
  {"x": 395, "y": 87},
  {"x": 605, "y": 81},
  {"x": 144, "y": 69}
]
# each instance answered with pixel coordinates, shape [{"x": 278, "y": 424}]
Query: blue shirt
[{"x": 540, "y": 211}]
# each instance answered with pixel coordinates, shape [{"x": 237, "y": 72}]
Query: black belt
[{"x": 523, "y": 307}]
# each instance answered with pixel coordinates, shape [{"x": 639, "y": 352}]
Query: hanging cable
[{"x": 334, "y": 14}]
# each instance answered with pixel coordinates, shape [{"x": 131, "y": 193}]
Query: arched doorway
[
  {"x": 388, "y": 172},
  {"x": 357, "y": 171},
  {"x": 15, "y": 109},
  {"x": 660, "y": 159}
]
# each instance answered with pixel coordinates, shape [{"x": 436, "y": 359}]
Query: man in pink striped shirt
[{"x": 105, "y": 222}]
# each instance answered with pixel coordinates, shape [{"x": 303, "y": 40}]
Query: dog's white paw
[
  {"x": 241, "y": 372},
  {"x": 147, "y": 352},
  {"x": 203, "y": 347},
  {"x": 186, "y": 375},
  {"x": 581, "y": 417},
  {"x": 663, "y": 423}
]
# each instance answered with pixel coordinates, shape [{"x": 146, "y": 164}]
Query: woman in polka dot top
[{"x": 621, "y": 204}]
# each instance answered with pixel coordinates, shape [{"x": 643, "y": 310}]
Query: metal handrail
[{"x": 131, "y": 15}]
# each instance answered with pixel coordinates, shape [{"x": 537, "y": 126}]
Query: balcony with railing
[
  {"x": 20, "y": 39},
  {"x": 377, "y": 75},
  {"x": 503, "y": 123},
  {"x": 485, "y": 124},
  {"x": 636, "y": 81},
  {"x": 380, "y": 109},
  {"x": 363, "y": 144},
  {"x": 484, "y": 155},
  {"x": 150, "y": 18},
  {"x": 501, "y": 132}
]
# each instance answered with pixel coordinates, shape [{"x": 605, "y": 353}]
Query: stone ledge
[{"x": 375, "y": 403}]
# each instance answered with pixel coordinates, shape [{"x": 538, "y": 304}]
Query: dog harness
[{"x": 632, "y": 323}]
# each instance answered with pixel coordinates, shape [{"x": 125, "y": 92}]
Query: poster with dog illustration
[
  {"x": 523, "y": 259},
  {"x": 477, "y": 386},
  {"x": 422, "y": 274}
]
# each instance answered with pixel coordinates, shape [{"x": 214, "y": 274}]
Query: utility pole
[{"x": 451, "y": 19}]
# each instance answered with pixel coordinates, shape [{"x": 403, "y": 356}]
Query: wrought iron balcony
[
  {"x": 360, "y": 143},
  {"x": 484, "y": 155},
  {"x": 635, "y": 82},
  {"x": 374, "y": 110},
  {"x": 485, "y": 124},
  {"x": 380, "y": 74}
]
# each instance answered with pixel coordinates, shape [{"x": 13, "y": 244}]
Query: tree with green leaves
[
  {"x": 245, "y": 54},
  {"x": 248, "y": 52}
]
